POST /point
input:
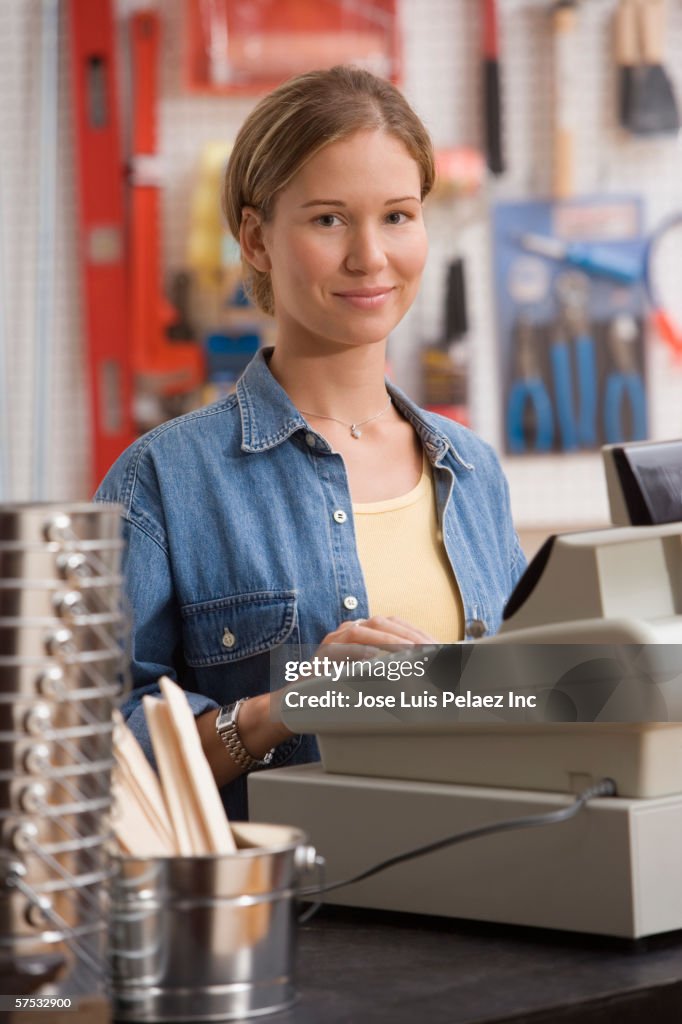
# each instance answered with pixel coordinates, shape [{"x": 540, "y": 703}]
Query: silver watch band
[{"x": 227, "y": 729}]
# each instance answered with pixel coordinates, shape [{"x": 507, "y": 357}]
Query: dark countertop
[{"x": 357, "y": 966}]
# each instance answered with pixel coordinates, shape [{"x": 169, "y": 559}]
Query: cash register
[{"x": 390, "y": 781}]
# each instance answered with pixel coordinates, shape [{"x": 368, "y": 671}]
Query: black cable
[{"x": 605, "y": 787}]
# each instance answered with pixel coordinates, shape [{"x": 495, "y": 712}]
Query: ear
[{"x": 251, "y": 239}]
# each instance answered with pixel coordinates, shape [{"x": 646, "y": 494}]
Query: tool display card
[{"x": 570, "y": 318}]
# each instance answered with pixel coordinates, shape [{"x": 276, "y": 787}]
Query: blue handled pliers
[
  {"x": 576, "y": 429},
  {"x": 581, "y": 429},
  {"x": 624, "y": 384},
  {"x": 528, "y": 393}
]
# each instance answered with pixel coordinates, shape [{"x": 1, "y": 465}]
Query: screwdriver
[{"x": 593, "y": 259}]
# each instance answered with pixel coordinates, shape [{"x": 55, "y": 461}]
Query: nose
[{"x": 366, "y": 253}]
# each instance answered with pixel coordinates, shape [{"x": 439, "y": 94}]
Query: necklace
[{"x": 353, "y": 427}]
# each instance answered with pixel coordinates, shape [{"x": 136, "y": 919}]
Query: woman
[{"x": 318, "y": 504}]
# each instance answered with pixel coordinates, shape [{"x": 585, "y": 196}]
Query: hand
[{"x": 376, "y": 633}]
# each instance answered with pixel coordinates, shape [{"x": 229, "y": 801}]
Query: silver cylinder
[
  {"x": 63, "y": 635},
  {"x": 207, "y": 938}
]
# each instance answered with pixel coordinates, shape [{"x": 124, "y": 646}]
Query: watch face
[{"x": 226, "y": 716}]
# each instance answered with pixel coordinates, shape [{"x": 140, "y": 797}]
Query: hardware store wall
[{"x": 441, "y": 79}]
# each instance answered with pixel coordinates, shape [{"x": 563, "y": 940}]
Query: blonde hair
[{"x": 292, "y": 124}]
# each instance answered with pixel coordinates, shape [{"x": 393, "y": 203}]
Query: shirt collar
[{"x": 269, "y": 416}]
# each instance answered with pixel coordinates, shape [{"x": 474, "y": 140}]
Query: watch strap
[{"x": 228, "y": 729}]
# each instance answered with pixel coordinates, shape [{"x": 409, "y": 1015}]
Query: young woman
[{"x": 318, "y": 504}]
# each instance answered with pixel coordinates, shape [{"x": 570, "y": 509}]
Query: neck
[{"x": 347, "y": 383}]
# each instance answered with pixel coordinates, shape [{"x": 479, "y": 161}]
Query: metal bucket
[{"x": 208, "y": 938}]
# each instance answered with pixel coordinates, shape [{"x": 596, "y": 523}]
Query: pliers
[
  {"x": 624, "y": 383},
  {"x": 528, "y": 394},
  {"x": 576, "y": 430}
]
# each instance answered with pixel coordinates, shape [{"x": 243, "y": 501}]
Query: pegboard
[
  {"x": 24, "y": 271},
  {"x": 442, "y": 80}
]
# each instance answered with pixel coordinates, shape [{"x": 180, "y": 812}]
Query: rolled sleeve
[{"x": 133, "y": 711}]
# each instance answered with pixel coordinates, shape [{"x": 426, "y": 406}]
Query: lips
[
  {"x": 366, "y": 298},
  {"x": 365, "y": 293}
]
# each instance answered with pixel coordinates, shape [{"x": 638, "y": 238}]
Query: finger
[
  {"x": 360, "y": 635},
  {"x": 373, "y": 636},
  {"x": 401, "y": 628},
  {"x": 340, "y": 633}
]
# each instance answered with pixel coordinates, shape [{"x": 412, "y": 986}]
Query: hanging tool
[
  {"x": 163, "y": 366},
  {"x": 600, "y": 260},
  {"x": 214, "y": 22},
  {"x": 566, "y": 64},
  {"x": 460, "y": 173},
  {"x": 445, "y": 366},
  {"x": 456, "y": 317},
  {"x": 529, "y": 409},
  {"x": 652, "y": 106},
  {"x": 102, "y": 229},
  {"x": 579, "y": 430},
  {"x": 626, "y": 50},
  {"x": 180, "y": 289},
  {"x": 665, "y": 326},
  {"x": 492, "y": 101},
  {"x": 624, "y": 383}
]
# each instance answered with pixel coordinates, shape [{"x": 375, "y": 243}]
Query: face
[{"x": 346, "y": 244}]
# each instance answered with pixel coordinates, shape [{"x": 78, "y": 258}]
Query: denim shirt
[{"x": 233, "y": 547}]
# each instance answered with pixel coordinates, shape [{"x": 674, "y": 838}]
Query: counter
[{"x": 375, "y": 967}]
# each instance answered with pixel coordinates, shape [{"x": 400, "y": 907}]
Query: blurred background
[{"x": 550, "y": 316}]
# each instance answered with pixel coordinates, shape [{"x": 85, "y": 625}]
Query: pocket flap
[{"x": 232, "y": 628}]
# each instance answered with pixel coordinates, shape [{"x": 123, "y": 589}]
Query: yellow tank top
[{"x": 406, "y": 569}]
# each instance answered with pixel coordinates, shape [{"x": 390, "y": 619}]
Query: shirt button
[
  {"x": 476, "y": 628},
  {"x": 350, "y": 603},
  {"x": 340, "y": 516},
  {"x": 229, "y": 639},
  {"x": 310, "y": 440}
]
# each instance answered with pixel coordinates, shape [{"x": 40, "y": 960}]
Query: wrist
[
  {"x": 259, "y": 729},
  {"x": 247, "y": 732},
  {"x": 230, "y": 732}
]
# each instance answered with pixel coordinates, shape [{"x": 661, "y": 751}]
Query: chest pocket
[{"x": 232, "y": 628}]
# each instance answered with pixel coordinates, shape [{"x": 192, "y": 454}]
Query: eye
[
  {"x": 327, "y": 220},
  {"x": 397, "y": 217}
]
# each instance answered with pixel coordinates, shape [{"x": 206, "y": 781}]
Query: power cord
[{"x": 605, "y": 787}]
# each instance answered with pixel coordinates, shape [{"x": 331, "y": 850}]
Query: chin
[
  {"x": 364, "y": 329},
  {"x": 359, "y": 338}
]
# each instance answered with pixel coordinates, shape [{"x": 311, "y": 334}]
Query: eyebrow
[{"x": 337, "y": 202}]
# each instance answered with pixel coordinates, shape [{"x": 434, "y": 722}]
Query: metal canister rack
[{"x": 63, "y": 633}]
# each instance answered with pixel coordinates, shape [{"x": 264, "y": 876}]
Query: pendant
[{"x": 355, "y": 431}]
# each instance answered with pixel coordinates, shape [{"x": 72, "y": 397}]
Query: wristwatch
[{"x": 226, "y": 727}]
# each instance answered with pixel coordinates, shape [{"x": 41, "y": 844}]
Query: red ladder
[{"x": 102, "y": 230}]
